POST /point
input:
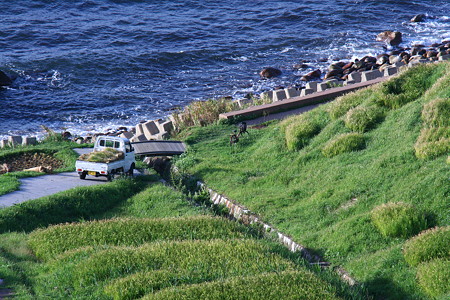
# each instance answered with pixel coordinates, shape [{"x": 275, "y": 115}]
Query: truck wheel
[
  {"x": 83, "y": 175},
  {"x": 131, "y": 171},
  {"x": 110, "y": 176}
]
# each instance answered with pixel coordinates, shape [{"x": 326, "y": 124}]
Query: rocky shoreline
[{"x": 339, "y": 73}]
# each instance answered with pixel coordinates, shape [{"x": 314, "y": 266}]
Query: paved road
[{"x": 37, "y": 187}]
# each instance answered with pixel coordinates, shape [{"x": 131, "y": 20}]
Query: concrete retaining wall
[{"x": 243, "y": 214}]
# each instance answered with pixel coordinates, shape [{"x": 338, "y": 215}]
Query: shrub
[
  {"x": 433, "y": 134},
  {"x": 285, "y": 285},
  {"x": 409, "y": 85},
  {"x": 398, "y": 219},
  {"x": 201, "y": 113},
  {"x": 46, "y": 243},
  {"x": 199, "y": 257},
  {"x": 432, "y": 149},
  {"x": 434, "y": 277},
  {"x": 437, "y": 113},
  {"x": 71, "y": 205},
  {"x": 362, "y": 118},
  {"x": 429, "y": 244},
  {"x": 343, "y": 143},
  {"x": 300, "y": 132},
  {"x": 343, "y": 104}
]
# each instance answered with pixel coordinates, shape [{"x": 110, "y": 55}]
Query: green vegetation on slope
[
  {"x": 71, "y": 205},
  {"x": 325, "y": 203},
  {"x": 283, "y": 285},
  {"x": 61, "y": 150},
  {"x": 130, "y": 256},
  {"x": 46, "y": 243}
]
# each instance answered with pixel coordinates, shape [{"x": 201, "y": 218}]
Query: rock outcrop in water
[
  {"x": 418, "y": 18},
  {"x": 270, "y": 72},
  {"x": 4, "y": 79},
  {"x": 393, "y": 38}
]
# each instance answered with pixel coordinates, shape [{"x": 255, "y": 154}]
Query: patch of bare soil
[
  {"x": 30, "y": 160},
  {"x": 260, "y": 126}
]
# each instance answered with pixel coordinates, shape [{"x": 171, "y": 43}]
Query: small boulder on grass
[
  {"x": 343, "y": 143},
  {"x": 363, "y": 118},
  {"x": 434, "y": 277},
  {"x": 428, "y": 245},
  {"x": 398, "y": 219}
]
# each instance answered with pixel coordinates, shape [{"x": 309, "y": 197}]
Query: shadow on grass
[{"x": 384, "y": 288}]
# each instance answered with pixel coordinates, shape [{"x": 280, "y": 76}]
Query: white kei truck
[{"x": 123, "y": 166}]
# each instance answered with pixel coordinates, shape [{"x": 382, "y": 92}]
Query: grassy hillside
[
  {"x": 352, "y": 179},
  {"x": 134, "y": 239}
]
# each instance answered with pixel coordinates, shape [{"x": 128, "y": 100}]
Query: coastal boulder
[
  {"x": 4, "y": 79},
  {"x": 392, "y": 38},
  {"x": 312, "y": 75},
  {"x": 418, "y": 18},
  {"x": 269, "y": 72},
  {"x": 333, "y": 73}
]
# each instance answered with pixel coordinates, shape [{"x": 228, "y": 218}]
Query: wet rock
[
  {"x": 394, "y": 59},
  {"x": 369, "y": 59},
  {"x": 359, "y": 64},
  {"x": 383, "y": 59},
  {"x": 270, "y": 72},
  {"x": 348, "y": 71},
  {"x": 300, "y": 66},
  {"x": 4, "y": 79},
  {"x": 312, "y": 75},
  {"x": 334, "y": 73},
  {"x": 347, "y": 66},
  {"x": 422, "y": 52},
  {"x": 392, "y": 38},
  {"x": 415, "y": 50},
  {"x": 66, "y": 135},
  {"x": 418, "y": 18},
  {"x": 431, "y": 53},
  {"x": 441, "y": 53}
]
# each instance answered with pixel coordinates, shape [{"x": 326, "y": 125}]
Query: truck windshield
[{"x": 110, "y": 144}]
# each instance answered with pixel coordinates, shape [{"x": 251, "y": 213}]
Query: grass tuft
[
  {"x": 47, "y": 243},
  {"x": 398, "y": 219},
  {"x": 428, "y": 245},
  {"x": 434, "y": 277},
  {"x": 408, "y": 86},
  {"x": 363, "y": 118},
  {"x": 284, "y": 285},
  {"x": 344, "y": 143},
  {"x": 202, "y": 113},
  {"x": 341, "y": 105},
  {"x": 299, "y": 133},
  {"x": 436, "y": 113}
]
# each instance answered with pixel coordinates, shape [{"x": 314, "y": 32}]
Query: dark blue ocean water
[{"x": 89, "y": 65}]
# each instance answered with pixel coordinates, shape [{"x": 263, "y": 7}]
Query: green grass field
[
  {"x": 145, "y": 239},
  {"x": 305, "y": 176}
]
